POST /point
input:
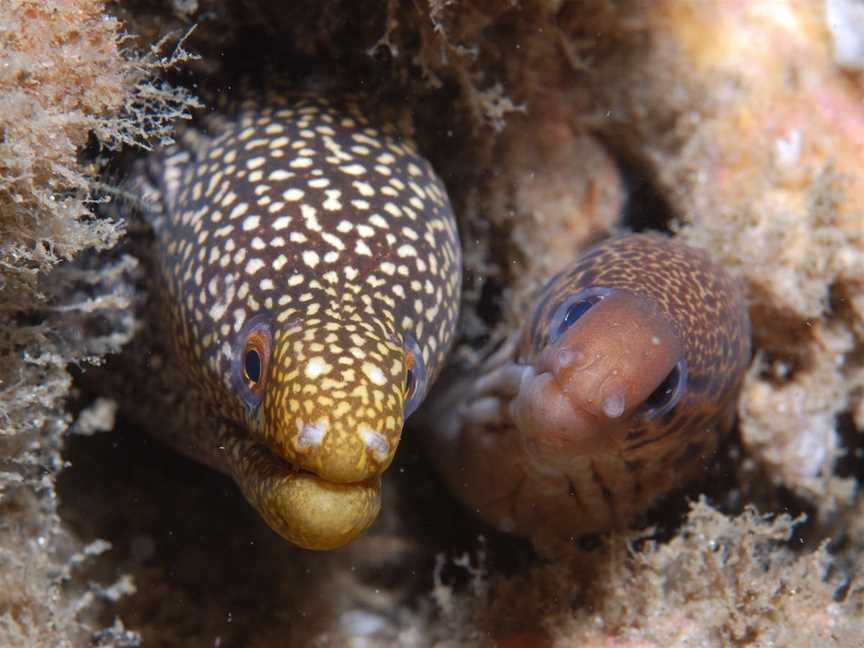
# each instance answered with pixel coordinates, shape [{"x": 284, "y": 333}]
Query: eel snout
[{"x": 587, "y": 382}]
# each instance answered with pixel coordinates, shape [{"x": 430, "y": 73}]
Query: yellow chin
[{"x": 300, "y": 506}]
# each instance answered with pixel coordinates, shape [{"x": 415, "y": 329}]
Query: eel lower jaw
[{"x": 303, "y": 508}]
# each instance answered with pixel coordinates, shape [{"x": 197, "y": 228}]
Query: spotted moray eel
[
  {"x": 614, "y": 393},
  {"x": 309, "y": 280}
]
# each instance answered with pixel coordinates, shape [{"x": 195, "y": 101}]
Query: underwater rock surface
[{"x": 737, "y": 126}]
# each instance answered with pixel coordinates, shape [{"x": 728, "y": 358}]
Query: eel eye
[
  {"x": 252, "y": 366},
  {"x": 410, "y": 378},
  {"x": 572, "y": 308},
  {"x": 668, "y": 393},
  {"x": 415, "y": 376},
  {"x": 252, "y": 359}
]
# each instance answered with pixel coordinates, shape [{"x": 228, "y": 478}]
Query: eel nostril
[{"x": 614, "y": 404}]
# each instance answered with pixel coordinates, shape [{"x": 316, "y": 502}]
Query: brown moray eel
[
  {"x": 310, "y": 275},
  {"x": 616, "y": 391}
]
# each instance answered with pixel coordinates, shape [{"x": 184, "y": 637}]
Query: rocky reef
[{"x": 736, "y": 126}]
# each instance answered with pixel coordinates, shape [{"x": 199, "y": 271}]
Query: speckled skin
[
  {"x": 296, "y": 230},
  {"x": 555, "y": 438}
]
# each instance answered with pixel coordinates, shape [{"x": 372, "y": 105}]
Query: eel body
[
  {"x": 614, "y": 393},
  {"x": 309, "y": 278}
]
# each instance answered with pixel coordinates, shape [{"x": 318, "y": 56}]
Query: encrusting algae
[{"x": 733, "y": 125}]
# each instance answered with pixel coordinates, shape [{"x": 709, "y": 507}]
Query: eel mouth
[
  {"x": 552, "y": 427},
  {"x": 302, "y": 507}
]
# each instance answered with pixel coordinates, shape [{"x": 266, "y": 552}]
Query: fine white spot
[
  {"x": 378, "y": 221},
  {"x": 332, "y": 203},
  {"x": 280, "y": 261},
  {"x": 250, "y": 223},
  {"x": 311, "y": 434},
  {"x": 333, "y": 240},
  {"x": 238, "y": 210},
  {"x": 376, "y": 443},
  {"x": 361, "y": 248},
  {"x": 239, "y": 318},
  {"x": 308, "y": 212},
  {"x": 281, "y": 223},
  {"x": 292, "y": 195},
  {"x": 254, "y": 266},
  {"x": 310, "y": 258},
  {"x": 279, "y": 174},
  {"x": 392, "y": 209},
  {"x": 374, "y": 374},
  {"x": 364, "y": 188},
  {"x": 217, "y": 310},
  {"x": 300, "y": 163},
  {"x": 315, "y": 367},
  {"x": 353, "y": 169}
]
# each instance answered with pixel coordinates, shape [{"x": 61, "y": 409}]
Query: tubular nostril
[
  {"x": 570, "y": 357},
  {"x": 311, "y": 435},
  {"x": 614, "y": 404},
  {"x": 376, "y": 443}
]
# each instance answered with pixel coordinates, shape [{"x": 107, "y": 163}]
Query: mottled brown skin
[
  {"x": 309, "y": 280},
  {"x": 565, "y": 432}
]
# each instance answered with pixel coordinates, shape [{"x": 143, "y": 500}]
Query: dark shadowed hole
[{"x": 646, "y": 208}]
